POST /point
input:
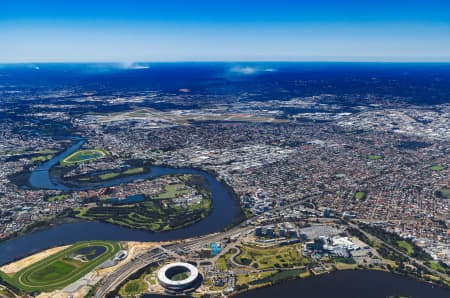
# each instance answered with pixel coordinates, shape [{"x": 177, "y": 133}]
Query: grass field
[
  {"x": 221, "y": 263},
  {"x": 42, "y": 158},
  {"x": 108, "y": 176},
  {"x": 83, "y": 156},
  {"x": 261, "y": 279},
  {"x": 345, "y": 266},
  {"x": 180, "y": 276},
  {"x": 133, "y": 171},
  {"x": 279, "y": 257},
  {"x": 58, "y": 198},
  {"x": 133, "y": 287},
  {"x": 436, "y": 168},
  {"x": 172, "y": 191},
  {"x": 245, "y": 279},
  {"x": 374, "y": 157},
  {"x": 279, "y": 276},
  {"x": 111, "y": 175},
  {"x": 439, "y": 267},
  {"x": 60, "y": 269},
  {"x": 406, "y": 247},
  {"x": 359, "y": 195}
]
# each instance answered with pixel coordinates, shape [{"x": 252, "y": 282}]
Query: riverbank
[
  {"x": 92, "y": 179},
  {"x": 43, "y": 224},
  {"x": 223, "y": 212},
  {"x": 240, "y": 215}
]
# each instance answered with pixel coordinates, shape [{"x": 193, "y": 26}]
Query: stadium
[{"x": 178, "y": 276}]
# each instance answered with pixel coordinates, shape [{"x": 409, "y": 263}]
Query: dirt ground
[
  {"x": 25, "y": 262},
  {"x": 134, "y": 249}
]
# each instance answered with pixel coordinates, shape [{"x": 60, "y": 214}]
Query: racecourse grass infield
[
  {"x": 83, "y": 156},
  {"x": 62, "y": 268}
]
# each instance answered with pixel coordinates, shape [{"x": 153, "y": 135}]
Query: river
[
  {"x": 347, "y": 284},
  {"x": 224, "y": 210},
  {"x": 351, "y": 284}
]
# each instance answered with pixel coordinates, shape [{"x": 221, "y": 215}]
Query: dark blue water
[
  {"x": 40, "y": 177},
  {"x": 351, "y": 284},
  {"x": 224, "y": 210},
  {"x": 347, "y": 284}
]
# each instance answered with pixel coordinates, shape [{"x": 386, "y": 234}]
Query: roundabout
[{"x": 178, "y": 276}]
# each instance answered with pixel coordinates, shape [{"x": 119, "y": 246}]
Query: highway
[
  {"x": 115, "y": 278},
  {"x": 157, "y": 254},
  {"x": 411, "y": 259}
]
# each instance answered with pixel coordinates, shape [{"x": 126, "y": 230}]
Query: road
[
  {"x": 157, "y": 254},
  {"x": 115, "y": 278},
  {"x": 411, "y": 259}
]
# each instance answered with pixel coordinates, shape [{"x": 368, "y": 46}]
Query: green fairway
[
  {"x": 436, "y": 168},
  {"x": 158, "y": 212},
  {"x": 83, "y": 156},
  {"x": 108, "y": 176},
  {"x": 133, "y": 171},
  {"x": 111, "y": 175},
  {"x": 62, "y": 268}
]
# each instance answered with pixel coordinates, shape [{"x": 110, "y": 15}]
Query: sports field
[
  {"x": 83, "y": 156},
  {"x": 359, "y": 195},
  {"x": 436, "y": 168},
  {"x": 64, "y": 267}
]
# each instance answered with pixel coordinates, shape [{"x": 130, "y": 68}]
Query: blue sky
[{"x": 199, "y": 30}]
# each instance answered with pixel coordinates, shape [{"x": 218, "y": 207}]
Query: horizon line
[{"x": 443, "y": 61}]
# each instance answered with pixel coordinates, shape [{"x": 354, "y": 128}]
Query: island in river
[
  {"x": 182, "y": 201},
  {"x": 162, "y": 203},
  {"x": 217, "y": 208}
]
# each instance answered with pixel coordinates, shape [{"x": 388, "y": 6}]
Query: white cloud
[
  {"x": 247, "y": 70},
  {"x": 133, "y": 65}
]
